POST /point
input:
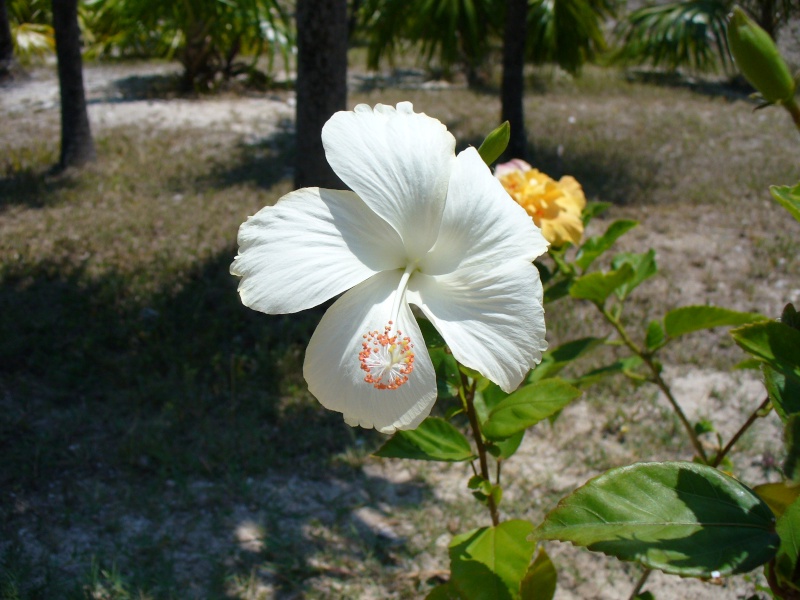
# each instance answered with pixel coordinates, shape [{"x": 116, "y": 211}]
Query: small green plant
[{"x": 212, "y": 39}]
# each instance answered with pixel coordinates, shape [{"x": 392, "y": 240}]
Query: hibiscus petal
[
  {"x": 492, "y": 319},
  {"x": 398, "y": 162},
  {"x": 481, "y": 224},
  {"x": 309, "y": 247},
  {"x": 333, "y": 370}
]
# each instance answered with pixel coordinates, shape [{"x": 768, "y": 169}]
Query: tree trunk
[
  {"x": 767, "y": 17},
  {"x": 321, "y": 85},
  {"x": 352, "y": 19},
  {"x": 6, "y": 43},
  {"x": 77, "y": 146},
  {"x": 513, "y": 86}
]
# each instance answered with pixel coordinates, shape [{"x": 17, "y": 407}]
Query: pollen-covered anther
[{"x": 387, "y": 358}]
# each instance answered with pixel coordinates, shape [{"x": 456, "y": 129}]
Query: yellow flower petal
[{"x": 555, "y": 206}]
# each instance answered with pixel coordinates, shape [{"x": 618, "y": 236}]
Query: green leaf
[
  {"x": 505, "y": 449},
  {"x": 485, "y": 489},
  {"x": 559, "y": 257},
  {"x": 680, "y": 517},
  {"x": 558, "y": 290},
  {"x": 775, "y": 343},
  {"x": 749, "y": 364},
  {"x": 445, "y": 591},
  {"x": 644, "y": 267},
  {"x": 553, "y": 361},
  {"x": 492, "y": 395},
  {"x": 791, "y": 439},
  {"x": 704, "y": 426},
  {"x": 471, "y": 373},
  {"x": 687, "y": 319},
  {"x": 592, "y": 209},
  {"x": 476, "y": 482},
  {"x": 788, "y": 529},
  {"x": 545, "y": 274},
  {"x": 434, "y": 439},
  {"x": 527, "y": 406},
  {"x": 540, "y": 581},
  {"x": 778, "y": 496},
  {"x": 784, "y": 392},
  {"x": 433, "y": 339},
  {"x": 599, "y": 286},
  {"x": 495, "y": 144},
  {"x": 446, "y": 368},
  {"x": 656, "y": 335},
  {"x": 790, "y": 317},
  {"x": 788, "y": 197},
  {"x": 489, "y": 563},
  {"x": 595, "y": 246}
]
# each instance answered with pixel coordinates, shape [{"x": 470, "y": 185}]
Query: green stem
[
  {"x": 468, "y": 396},
  {"x": 750, "y": 420},
  {"x": 640, "y": 584},
  {"x": 659, "y": 381},
  {"x": 794, "y": 110}
]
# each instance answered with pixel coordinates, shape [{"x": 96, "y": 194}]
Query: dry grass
[{"x": 147, "y": 416}]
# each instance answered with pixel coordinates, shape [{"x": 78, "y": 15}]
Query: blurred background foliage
[
  {"x": 212, "y": 39},
  {"x": 691, "y": 33},
  {"x": 216, "y": 40}
]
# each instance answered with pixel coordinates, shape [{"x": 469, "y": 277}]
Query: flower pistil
[{"x": 388, "y": 359}]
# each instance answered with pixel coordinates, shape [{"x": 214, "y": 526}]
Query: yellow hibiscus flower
[{"x": 555, "y": 206}]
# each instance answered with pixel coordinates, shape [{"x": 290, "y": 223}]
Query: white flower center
[{"x": 388, "y": 357}]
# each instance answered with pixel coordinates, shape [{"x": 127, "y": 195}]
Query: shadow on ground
[
  {"x": 33, "y": 187},
  {"x": 160, "y": 430},
  {"x": 187, "y": 383},
  {"x": 733, "y": 88},
  {"x": 263, "y": 163}
]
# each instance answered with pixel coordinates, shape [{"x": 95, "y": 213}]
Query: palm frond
[
  {"x": 450, "y": 31},
  {"x": 32, "y": 41},
  {"x": 567, "y": 32},
  {"x": 680, "y": 34}
]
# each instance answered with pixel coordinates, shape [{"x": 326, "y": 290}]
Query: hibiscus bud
[
  {"x": 758, "y": 58},
  {"x": 495, "y": 143}
]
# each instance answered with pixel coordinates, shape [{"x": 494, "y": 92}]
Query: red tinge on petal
[{"x": 387, "y": 359}]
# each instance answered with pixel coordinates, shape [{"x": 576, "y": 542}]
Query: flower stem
[
  {"x": 640, "y": 584},
  {"x": 794, "y": 110},
  {"x": 659, "y": 381},
  {"x": 750, "y": 420},
  {"x": 468, "y": 398}
]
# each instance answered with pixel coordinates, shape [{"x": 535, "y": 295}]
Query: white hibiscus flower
[{"x": 422, "y": 226}]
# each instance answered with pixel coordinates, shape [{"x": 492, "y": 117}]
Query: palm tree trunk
[
  {"x": 6, "y": 43},
  {"x": 77, "y": 146},
  {"x": 321, "y": 85},
  {"x": 513, "y": 85},
  {"x": 767, "y": 17}
]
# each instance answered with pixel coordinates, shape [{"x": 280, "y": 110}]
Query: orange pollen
[{"x": 387, "y": 359}]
